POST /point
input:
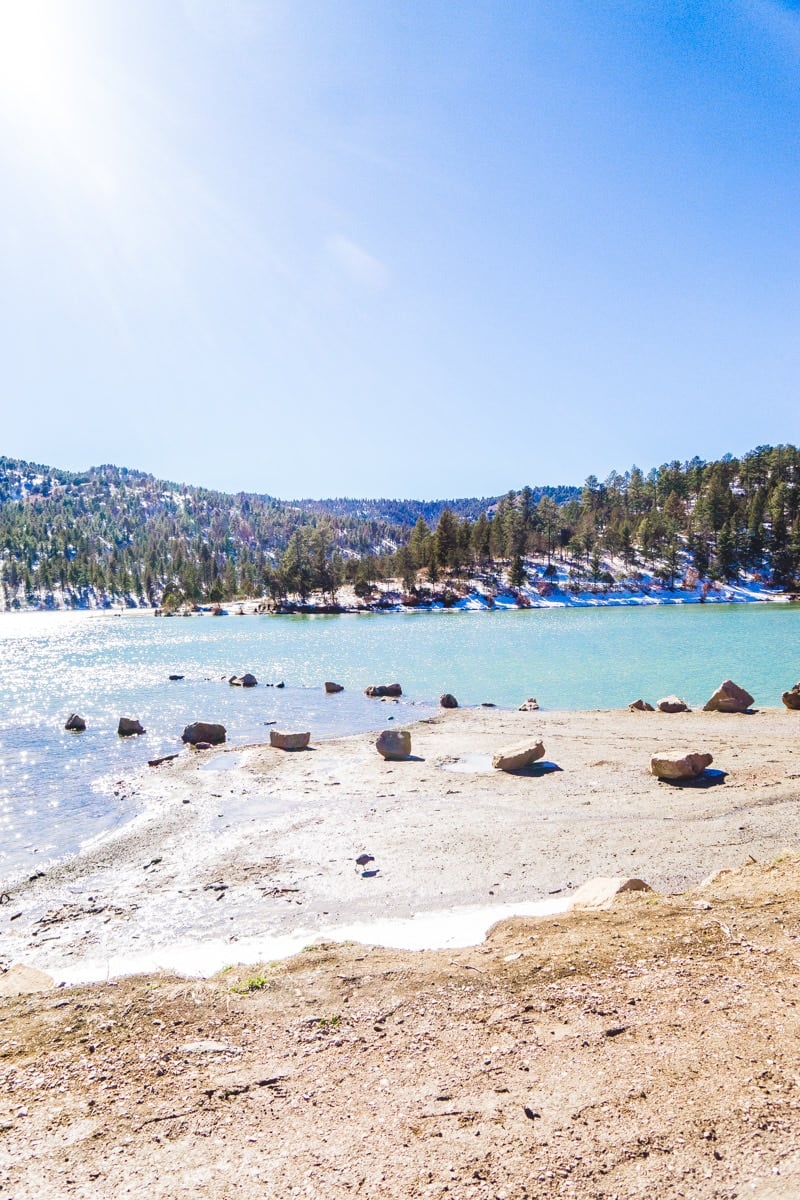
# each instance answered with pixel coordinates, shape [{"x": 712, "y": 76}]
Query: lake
[{"x": 57, "y": 789}]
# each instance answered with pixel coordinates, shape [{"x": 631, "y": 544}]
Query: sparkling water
[{"x": 58, "y": 789}]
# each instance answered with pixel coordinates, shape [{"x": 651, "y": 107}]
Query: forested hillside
[{"x": 116, "y": 534}]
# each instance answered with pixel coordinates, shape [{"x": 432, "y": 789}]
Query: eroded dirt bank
[{"x": 646, "y": 1051}]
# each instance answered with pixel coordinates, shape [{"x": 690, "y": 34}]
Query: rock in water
[
  {"x": 204, "y": 731},
  {"x": 529, "y": 705},
  {"x": 792, "y": 698},
  {"x": 129, "y": 727},
  {"x": 689, "y": 766},
  {"x": 640, "y": 706},
  {"x": 384, "y": 689},
  {"x": 394, "y": 744},
  {"x": 729, "y": 698},
  {"x": 448, "y": 700},
  {"x": 672, "y": 704},
  {"x": 288, "y": 741},
  {"x": 246, "y": 681},
  {"x": 601, "y": 892},
  {"x": 75, "y": 723},
  {"x": 332, "y": 688},
  {"x": 516, "y": 758}
]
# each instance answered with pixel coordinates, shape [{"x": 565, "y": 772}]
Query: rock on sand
[
  {"x": 729, "y": 698},
  {"x": 687, "y": 766},
  {"x": 515, "y": 758},
  {"x": 672, "y": 704},
  {"x": 601, "y": 892},
  {"x": 792, "y": 698},
  {"x": 289, "y": 741},
  {"x": 394, "y": 744}
]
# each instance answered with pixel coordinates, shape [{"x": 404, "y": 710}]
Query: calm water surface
[{"x": 57, "y": 789}]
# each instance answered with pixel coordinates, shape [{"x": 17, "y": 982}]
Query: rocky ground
[
  {"x": 650, "y": 1050},
  {"x": 646, "y": 1051}
]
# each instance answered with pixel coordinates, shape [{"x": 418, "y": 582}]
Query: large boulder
[
  {"x": 792, "y": 698},
  {"x": 331, "y": 688},
  {"x": 394, "y": 744},
  {"x": 672, "y": 704},
  {"x": 687, "y": 766},
  {"x": 529, "y": 705},
  {"x": 516, "y": 758},
  {"x": 729, "y": 698},
  {"x": 288, "y": 741},
  {"x": 640, "y": 706},
  {"x": 602, "y": 892},
  {"x": 75, "y": 723},
  {"x": 384, "y": 689},
  {"x": 204, "y": 731},
  {"x": 448, "y": 700},
  {"x": 246, "y": 681},
  {"x": 129, "y": 727}
]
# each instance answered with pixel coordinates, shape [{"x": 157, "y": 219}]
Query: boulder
[
  {"x": 129, "y": 727},
  {"x": 729, "y": 698},
  {"x": 448, "y": 700},
  {"x": 289, "y": 741},
  {"x": 204, "y": 731},
  {"x": 394, "y": 744},
  {"x": 672, "y": 704},
  {"x": 332, "y": 688},
  {"x": 601, "y": 892},
  {"x": 687, "y": 766},
  {"x": 640, "y": 706},
  {"x": 247, "y": 680},
  {"x": 529, "y": 705},
  {"x": 792, "y": 698},
  {"x": 515, "y": 758},
  {"x": 21, "y": 980},
  {"x": 384, "y": 689},
  {"x": 75, "y": 723}
]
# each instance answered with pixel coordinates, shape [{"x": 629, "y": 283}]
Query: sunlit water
[{"x": 58, "y": 789}]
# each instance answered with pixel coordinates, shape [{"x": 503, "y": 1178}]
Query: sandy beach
[
  {"x": 242, "y": 855},
  {"x": 646, "y": 1050}
]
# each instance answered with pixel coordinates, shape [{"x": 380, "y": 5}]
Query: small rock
[
  {"x": 280, "y": 685},
  {"x": 601, "y": 892},
  {"x": 516, "y": 758},
  {"x": 688, "y": 766},
  {"x": 332, "y": 688},
  {"x": 488, "y": 704},
  {"x": 792, "y": 698},
  {"x": 448, "y": 700},
  {"x": 529, "y": 705},
  {"x": 204, "y": 731},
  {"x": 288, "y": 741},
  {"x": 672, "y": 704},
  {"x": 729, "y": 698},
  {"x": 640, "y": 706},
  {"x": 75, "y": 723},
  {"x": 384, "y": 689},
  {"x": 394, "y": 744},
  {"x": 175, "y": 678},
  {"x": 156, "y": 762},
  {"x": 129, "y": 727}
]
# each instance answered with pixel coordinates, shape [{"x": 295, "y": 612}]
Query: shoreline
[{"x": 259, "y": 848}]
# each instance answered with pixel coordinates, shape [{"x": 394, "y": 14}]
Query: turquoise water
[{"x": 58, "y": 789}]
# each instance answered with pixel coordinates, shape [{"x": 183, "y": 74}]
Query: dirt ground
[
  {"x": 652, "y": 1050},
  {"x": 646, "y": 1051}
]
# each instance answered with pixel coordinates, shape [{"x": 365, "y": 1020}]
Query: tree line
[{"x": 121, "y": 534}]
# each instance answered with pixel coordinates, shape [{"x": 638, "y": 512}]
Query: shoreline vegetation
[{"x": 692, "y": 531}]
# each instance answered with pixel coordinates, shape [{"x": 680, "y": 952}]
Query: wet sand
[{"x": 242, "y": 855}]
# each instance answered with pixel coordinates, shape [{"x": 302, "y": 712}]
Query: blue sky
[{"x": 420, "y": 248}]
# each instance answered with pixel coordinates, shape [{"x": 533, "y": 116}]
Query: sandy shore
[{"x": 248, "y": 855}]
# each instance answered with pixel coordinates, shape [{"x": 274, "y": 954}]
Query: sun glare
[{"x": 33, "y": 66}]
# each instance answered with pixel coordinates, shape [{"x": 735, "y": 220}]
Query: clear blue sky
[{"x": 397, "y": 247}]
